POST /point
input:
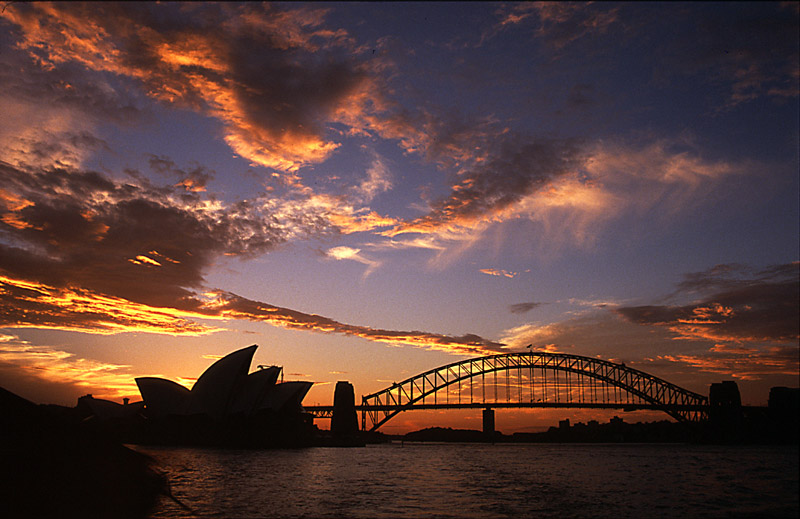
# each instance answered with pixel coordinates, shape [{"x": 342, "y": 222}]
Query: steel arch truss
[{"x": 532, "y": 379}]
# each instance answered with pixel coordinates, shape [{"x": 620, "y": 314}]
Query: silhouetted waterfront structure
[
  {"x": 226, "y": 407},
  {"x": 784, "y": 413},
  {"x": 229, "y": 407},
  {"x": 344, "y": 422}
]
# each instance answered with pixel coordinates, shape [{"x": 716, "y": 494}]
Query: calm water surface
[{"x": 483, "y": 481}]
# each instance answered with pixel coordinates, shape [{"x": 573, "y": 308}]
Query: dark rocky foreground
[{"x": 53, "y": 466}]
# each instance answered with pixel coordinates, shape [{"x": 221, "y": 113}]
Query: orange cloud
[
  {"x": 12, "y": 204},
  {"x": 235, "y": 307},
  {"x": 762, "y": 309},
  {"x": 48, "y": 365},
  {"x": 35, "y": 305},
  {"x": 495, "y": 272},
  {"x": 274, "y": 112},
  {"x": 741, "y": 364}
]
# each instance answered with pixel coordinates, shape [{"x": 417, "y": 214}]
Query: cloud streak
[
  {"x": 523, "y": 308},
  {"x": 235, "y": 307},
  {"x": 24, "y": 365},
  {"x": 762, "y": 308},
  {"x": 571, "y": 190},
  {"x": 349, "y": 253}
]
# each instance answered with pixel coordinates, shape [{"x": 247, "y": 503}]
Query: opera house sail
[{"x": 227, "y": 406}]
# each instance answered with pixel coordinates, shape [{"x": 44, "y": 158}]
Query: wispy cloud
[
  {"x": 746, "y": 61},
  {"x": 75, "y": 375},
  {"x": 572, "y": 190},
  {"x": 524, "y": 308},
  {"x": 744, "y": 365},
  {"x": 349, "y": 253},
  {"x": 556, "y": 23},
  {"x": 235, "y": 307},
  {"x": 499, "y": 273}
]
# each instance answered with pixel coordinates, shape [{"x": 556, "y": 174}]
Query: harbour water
[{"x": 483, "y": 481}]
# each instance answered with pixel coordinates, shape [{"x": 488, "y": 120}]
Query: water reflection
[{"x": 481, "y": 481}]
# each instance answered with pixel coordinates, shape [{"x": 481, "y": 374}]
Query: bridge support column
[
  {"x": 344, "y": 422},
  {"x": 488, "y": 423}
]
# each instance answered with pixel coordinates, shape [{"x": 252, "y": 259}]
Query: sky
[{"x": 371, "y": 190}]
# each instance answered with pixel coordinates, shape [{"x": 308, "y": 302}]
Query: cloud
[
  {"x": 419, "y": 242},
  {"x": 762, "y": 308},
  {"x": 26, "y": 304},
  {"x": 127, "y": 239},
  {"x": 278, "y": 108},
  {"x": 275, "y": 104},
  {"x": 349, "y": 253},
  {"x": 558, "y": 24},
  {"x": 572, "y": 190},
  {"x": 500, "y": 273},
  {"x": 750, "y": 364},
  {"x": 195, "y": 179},
  {"x": 378, "y": 180},
  {"x": 512, "y": 169},
  {"x": 38, "y": 370},
  {"x": 561, "y": 23},
  {"x": 747, "y": 54},
  {"x": 523, "y": 308},
  {"x": 86, "y": 253},
  {"x": 231, "y": 306},
  {"x": 323, "y": 212}
]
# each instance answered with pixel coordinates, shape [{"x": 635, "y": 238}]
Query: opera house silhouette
[{"x": 226, "y": 407}]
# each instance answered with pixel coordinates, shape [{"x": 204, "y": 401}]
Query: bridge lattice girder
[{"x": 642, "y": 390}]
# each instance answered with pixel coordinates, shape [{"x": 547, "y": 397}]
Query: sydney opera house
[
  {"x": 226, "y": 407},
  {"x": 225, "y": 389}
]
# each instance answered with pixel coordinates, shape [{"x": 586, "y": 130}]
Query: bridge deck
[{"x": 326, "y": 411}]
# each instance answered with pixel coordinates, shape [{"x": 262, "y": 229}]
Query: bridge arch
[{"x": 597, "y": 384}]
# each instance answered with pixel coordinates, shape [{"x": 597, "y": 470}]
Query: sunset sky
[{"x": 369, "y": 191}]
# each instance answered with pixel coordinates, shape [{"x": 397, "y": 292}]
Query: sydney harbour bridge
[{"x": 528, "y": 380}]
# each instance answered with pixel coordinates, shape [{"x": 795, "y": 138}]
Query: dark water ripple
[{"x": 484, "y": 481}]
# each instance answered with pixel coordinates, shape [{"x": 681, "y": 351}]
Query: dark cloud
[
  {"x": 78, "y": 228},
  {"x": 275, "y": 103},
  {"x": 68, "y": 86},
  {"x": 748, "y": 49},
  {"x": 513, "y": 168},
  {"x": 523, "y": 308},
  {"x": 195, "y": 178},
  {"x": 762, "y": 307}
]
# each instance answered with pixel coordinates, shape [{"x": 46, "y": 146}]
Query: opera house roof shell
[{"x": 225, "y": 388}]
